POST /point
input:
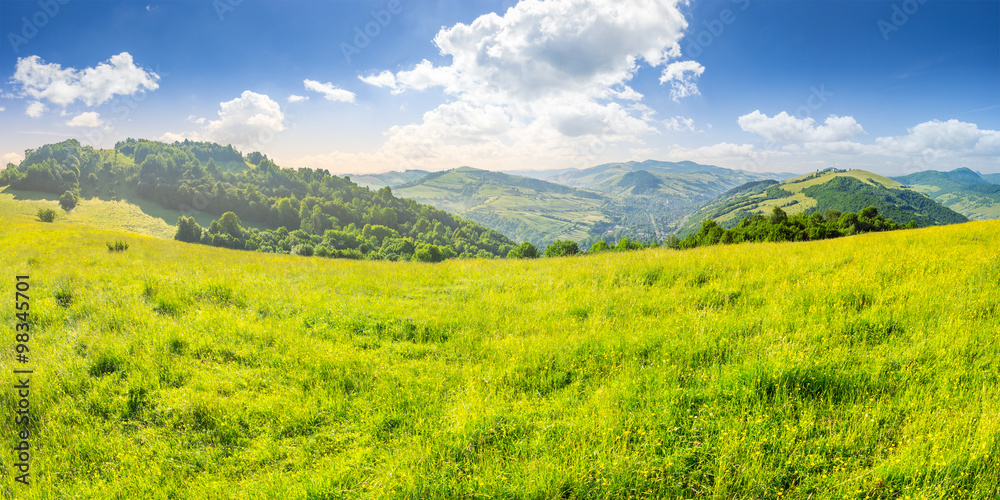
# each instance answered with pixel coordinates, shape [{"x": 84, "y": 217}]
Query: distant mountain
[
  {"x": 390, "y": 179},
  {"x": 962, "y": 190},
  {"x": 991, "y": 178},
  {"x": 522, "y": 208},
  {"x": 639, "y": 200},
  {"x": 653, "y": 197},
  {"x": 847, "y": 191}
]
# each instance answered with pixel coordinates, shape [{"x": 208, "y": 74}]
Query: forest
[{"x": 305, "y": 212}]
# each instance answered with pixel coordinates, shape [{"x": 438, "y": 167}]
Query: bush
[
  {"x": 562, "y": 248},
  {"x": 68, "y": 201},
  {"x": 117, "y": 246},
  {"x": 46, "y": 214},
  {"x": 523, "y": 251}
]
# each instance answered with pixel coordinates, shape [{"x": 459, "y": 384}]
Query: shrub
[
  {"x": 562, "y": 248},
  {"x": 117, "y": 246},
  {"x": 523, "y": 251},
  {"x": 68, "y": 201},
  {"x": 46, "y": 214}
]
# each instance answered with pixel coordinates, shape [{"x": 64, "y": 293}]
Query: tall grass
[{"x": 862, "y": 367}]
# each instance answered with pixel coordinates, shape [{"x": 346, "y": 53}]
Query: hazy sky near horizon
[{"x": 369, "y": 86}]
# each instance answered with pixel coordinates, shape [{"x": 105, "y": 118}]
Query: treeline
[
  {"x": 779, "y": 226},
  {"x": 300, "y": 210}
]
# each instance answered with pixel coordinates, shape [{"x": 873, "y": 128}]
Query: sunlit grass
[{"x": 862, "y": 367}]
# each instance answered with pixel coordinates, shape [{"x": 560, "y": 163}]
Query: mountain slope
[
  {"x": 653, "y": 197},
  {"x": 390, "y": 179},
  {"x": 961, "y": 189},
  {"x": 525, "y": 209},
  {"x": 260, "y": 205},
  {"x": 848, "y": 191}
]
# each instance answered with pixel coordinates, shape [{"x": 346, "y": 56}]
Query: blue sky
[{"x": 764, "y": 85}]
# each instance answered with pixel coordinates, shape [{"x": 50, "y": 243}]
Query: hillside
[
  {"x": 390, "y": 179},
  {"x": 638, "y": 200},
  {"x": 961, "y": 190},
  {"x": 858, "y": 367},
  {"x": 846, "y": 191},
  {"x": 218, "y": 197},
  {"x": 525, "y": 209}
]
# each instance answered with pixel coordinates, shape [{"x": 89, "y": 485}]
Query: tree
[
  {"x": 600, "y": 246},
  {"x": 778, "y": 216},
  {"x": 562, "y": 248},
  {"x": 523, "y": 251},
  {"x": 67, "y": 201},
  {"x": 230, "y": 224},
  {"x": 46, "y": 214},
  {"x": 188, "y": 230}
]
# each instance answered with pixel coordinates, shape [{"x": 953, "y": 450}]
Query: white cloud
[
  {"x": 786, "y": 128},
  {"x": 35, "y": 109},
  {"x": 171, "y": 137},
  {"x": 297, "y": 98},
  {"x": 943, "y": 138},
  {"x": 2, "y": 109},
  {"x": 384, "y": 79},
  {"x": 544, "y": 81},
  {"x": 249, "y": 120},
  {"x": 197, "y": 120},
  {"x": 679, "y": 124},
  {"x": 329, "y": 91},
  {"x": 681, "y": 76},
  {"x": 89, "y": 119},
  {"x": 92, "y": 86},
  {"x": 14, "y": 158}
]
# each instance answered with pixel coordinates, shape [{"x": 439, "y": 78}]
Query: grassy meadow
[{"x": 861, "y": 367}]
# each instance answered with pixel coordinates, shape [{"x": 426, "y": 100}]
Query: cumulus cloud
[
  {"x": 2, "y": 109},
  {"x": 546, "y": 77},
  {"x": 681, "y": 76},
  {"x": 14, "y": 158},
  {"x": 248, "y": 120},
  {"x": 786, "y": 128},
  {"x": 297, "y": 98},
  {"x": 950, "y": 137},
  {"x": 329, "y": 91},
  {"x": 119, "y": 75},
  {"x": 89, "y": 119},
  {"x": 35, "y": 109}
]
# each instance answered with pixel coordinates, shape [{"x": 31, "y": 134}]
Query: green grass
[{"x": 862, "y": 367}]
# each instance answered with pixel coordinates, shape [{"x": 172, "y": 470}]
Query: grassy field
[{"x": 861, "y": 367}]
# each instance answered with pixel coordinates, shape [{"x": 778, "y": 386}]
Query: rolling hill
[
  {"x": 639, "y": 200},
  {"x": 850, "y": 191},
  {"x": 962, "y": 190},
  {"x": 390, "y": 179},
  {"x": 862, "y": 367},
  {"x": 260, "y": 206},
  {"x": 524, "y": 209}
]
